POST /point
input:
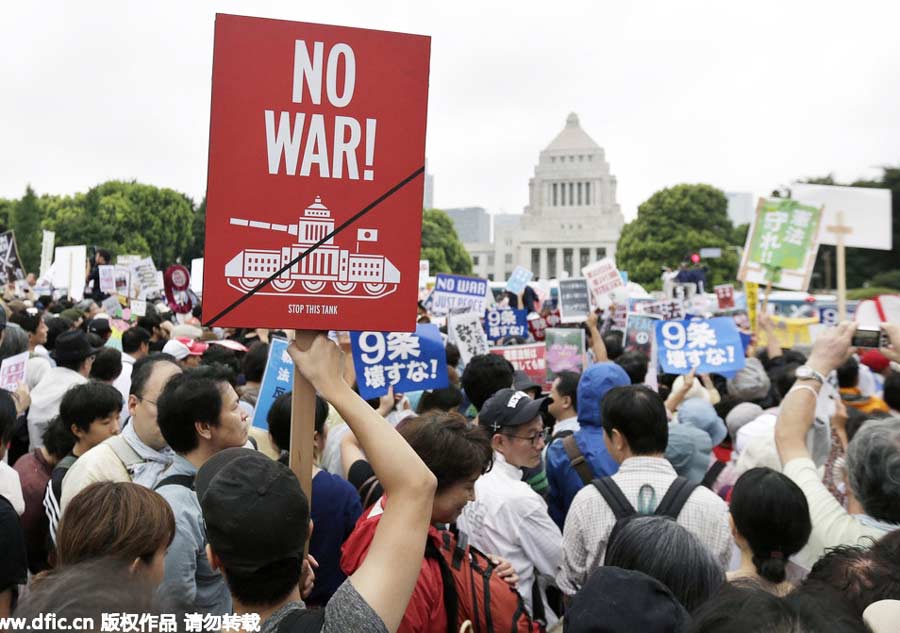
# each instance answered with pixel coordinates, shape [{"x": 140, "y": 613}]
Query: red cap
[
  {"x": 195, "y": 348},
  {"x": 875, "y": 360}
]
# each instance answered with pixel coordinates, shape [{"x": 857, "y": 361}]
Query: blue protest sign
[
  {"x": 519, "y": 279},
  {"x": 403, "y": 360},
  {"x": 710, "y": 345},
  {"x": 278, "y": 378},
  {"x": 503, "y": 322},
  {"x": 457, "y": 294}
]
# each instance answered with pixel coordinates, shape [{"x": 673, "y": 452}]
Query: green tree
[
  {"x": 125, "y": 218},
  {"x": 198, "y": 234},
  {"x": 25, "y": 220},
  {"x": 6, "y": 207},
  {"x": 862, "y": 263},
  {"x": 441, "y": 245},
  {"x": 672, "y": 224}
]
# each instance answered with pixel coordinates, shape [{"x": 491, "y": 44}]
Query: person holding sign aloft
[{"x": 257, "y": 518}]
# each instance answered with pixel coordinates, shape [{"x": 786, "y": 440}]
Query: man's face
[
  {"x": 40, "y": 335},
  {"x": 557, "y": 408},
  {"x": 92, "y": 311},
  {"x": 232, "y": 429},
  {"x": 143, "y": 409},
  {"x": 522, "y": 446},
  {"x": 191, "y": 361}
]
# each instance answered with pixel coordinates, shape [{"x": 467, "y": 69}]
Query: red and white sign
[
  {"x": 538, "y": 325},
  {"x": 725, "y": 296},
  {"x": 603, "y": 277},
  {"x": 527, "y": 358},
  {"x": 316, "y": 162}
]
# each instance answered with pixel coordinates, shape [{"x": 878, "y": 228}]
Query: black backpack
[{"x": 670, "y": 506}]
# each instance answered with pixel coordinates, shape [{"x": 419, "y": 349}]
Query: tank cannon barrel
[{"x": 267, "y": 226}]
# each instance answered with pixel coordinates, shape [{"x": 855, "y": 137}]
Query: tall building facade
[
  {"x": 572, "y": 217},
  {"x": 472, "y": 224}
]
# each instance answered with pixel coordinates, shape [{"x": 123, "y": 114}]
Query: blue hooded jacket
[{"x": 564, "y": 481}]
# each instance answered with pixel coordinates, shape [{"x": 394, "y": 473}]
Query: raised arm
[
  {"x": 676, "y": 397},
  {"x": 773, "y": 347},
  {"x": 598, "y": 347},
  {"x": 387, "y": 577}
]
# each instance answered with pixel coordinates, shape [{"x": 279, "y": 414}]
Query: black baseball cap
[
  {"x": 99, "y": 326},
  {"x": 254, "y": 509},
  {"x": 510, "y": 407}
]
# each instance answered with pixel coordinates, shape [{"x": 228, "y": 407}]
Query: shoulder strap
[
  {"x": 123, "y": 451},
  {"x": 302, "y": 621},
  {"x": 577, "y": 460},
  {"x": 712, "y": 474},
  {"x": 451, "y": 597},
  {"x": 562, "y": 435},
  {"x": 614, "y": 497},
  {"x": 676, "y": 496},
  {"x": 176, "y": 480},
  {"x": 66, "y": 462}
]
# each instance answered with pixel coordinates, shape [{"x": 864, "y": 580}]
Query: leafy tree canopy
[{"x": 441, "y": 245}]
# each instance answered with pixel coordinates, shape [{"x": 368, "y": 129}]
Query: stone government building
[{"x": 572, "y": 217}]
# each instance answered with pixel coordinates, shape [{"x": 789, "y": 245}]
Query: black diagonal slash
[{"x": 387, "y": 194}]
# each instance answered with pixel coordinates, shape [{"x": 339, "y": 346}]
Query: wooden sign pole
[
  {"x": 840, "y": 231},
  {"x": 303, "y": 419}
]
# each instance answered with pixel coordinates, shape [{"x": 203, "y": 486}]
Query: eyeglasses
[
  {"x": 147, "y": 400},
  {"x": 534, "y": 439}
]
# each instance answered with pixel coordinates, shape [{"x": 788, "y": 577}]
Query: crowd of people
[{"x": 132, "y": 481}]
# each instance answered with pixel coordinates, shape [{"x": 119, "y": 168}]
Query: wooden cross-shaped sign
[{"x": 840, "y": 230}]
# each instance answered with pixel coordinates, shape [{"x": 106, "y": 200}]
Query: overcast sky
[{"x": 742, "y": 95}]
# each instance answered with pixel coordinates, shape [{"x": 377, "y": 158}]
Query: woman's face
[
  {"x": 449, "y": 503},
  {"x": 155, "y": 570}
]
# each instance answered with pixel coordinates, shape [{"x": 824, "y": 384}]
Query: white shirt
[
  {"x": 566, "y": 424},
  {"x": 11, "y": 487},
  {"x": 123, "y": 384},
  {"x": 510, "y": 520},
  {"x": 45, "y": 399},
  {"x": 761, "y": 427}
]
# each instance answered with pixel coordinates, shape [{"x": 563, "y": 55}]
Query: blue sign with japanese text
[
  {"x": 519, "y": 279},
  {"x": 710, "y": 345},
  {"x": 505, "y": 322},
  {"x": 277, "y": 379},
  {"x": 403, "y": 360}
]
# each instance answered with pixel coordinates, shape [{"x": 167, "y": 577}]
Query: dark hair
[
  {"x": 744, "y": 607},
  {"x": 663, "y": 549},
  {"x": 485, "y": 375},
  {"x": 638, "y": 414},
  {"x": 254, "y": 363},
  {"x": 445, "y": 399},
  {"x": 613, "y": 343},
  {"x": 28, "y": 321},
  {"x": 105, "y": 254},
  {"x": 269, "y": 584},
  {"x": 8, "y": 417},
  {"x": 92, "y": 588},
  {"x": 107, "y": 364},
  {"x": 192, "y": 396},
  {"x": 892, "y": 390},
  {"x": 143, "y": 371},
  {"x": 771, "y": 512},
  {"x": 221, "y": 355},
  {"x": 125, "y": 520},
  {"x": 279, "y": 419},
  {"x": 83, "y": 404},
  {"x": 783, "y": 379},
  {"x": 855, "y": 421},
  {"x": 635, "y": 365},
  {"x": 133, "y": 338},
  {"x": 55, "y": 327},
  {"x": 567, "y": 385},
  {"x": 58, "y": 438},
  {"x": 792, "y": 356},
  {"x": 149, "y": 321},
  {"x": 848, "y": 373},
  {"x": 452, "y": 353},
  {"x": 452, "y": 448}
]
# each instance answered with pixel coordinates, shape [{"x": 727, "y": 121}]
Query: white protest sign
[
  {"x": 47, "y": 241},
  {"x": 12, "y": 371},
  {"x": 138, "y": 307},
  {"x": 197, "y": 275},
  {"x": 68, "y": 271},
  {"x": 866, "y": 211},
  {"x": 111, "y": 306},
  {"x": 603, "y": 277},
  {"x": 458, "y": 294},
  {"x": 123, "y": 280},
  {"x": 108, "y": 279},
  {"x": 144, "y": 279},
  {"x": 467, "y": 333},
  {"x": 424, "y": 268}
]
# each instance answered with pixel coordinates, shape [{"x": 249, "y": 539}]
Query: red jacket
[{"x": 425, "y": 612}]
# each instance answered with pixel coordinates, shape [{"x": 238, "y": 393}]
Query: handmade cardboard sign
[{"x": 316, "y": 162}]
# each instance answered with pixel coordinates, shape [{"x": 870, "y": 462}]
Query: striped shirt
[{"x": 590, "y": 520}]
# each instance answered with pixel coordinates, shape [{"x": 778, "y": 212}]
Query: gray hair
[
  {"x": 15, "y": 341},
  {"x": 663, "y": 549},
  {"x": 873, "y": 466}
]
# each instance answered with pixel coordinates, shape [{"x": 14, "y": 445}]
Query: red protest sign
[
  {"x": 316, "y": 160},
  {"x": 527, "y": 358},
  {"x": 725, "y": 296}
]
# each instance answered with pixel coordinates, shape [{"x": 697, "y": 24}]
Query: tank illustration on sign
[{"x": 328, "y": 271}]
